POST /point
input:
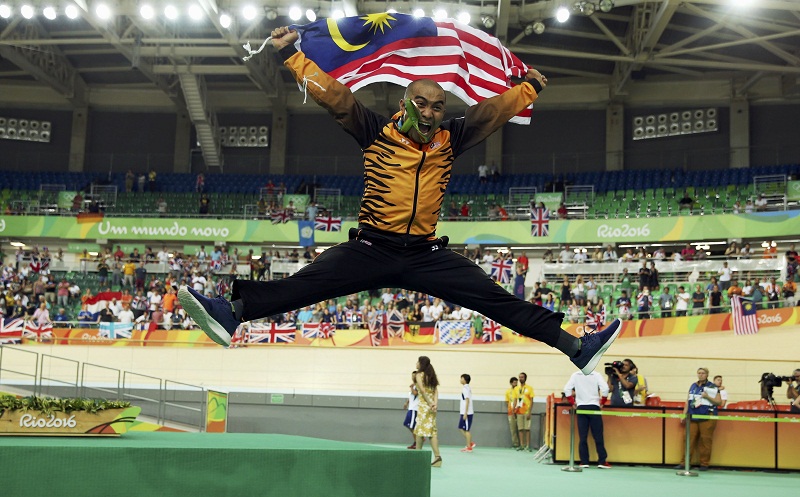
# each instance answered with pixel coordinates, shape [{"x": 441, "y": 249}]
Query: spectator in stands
[
  {"x": 622, "y": 385},
  {"x": 698, "y": 301},
  {"x": 761, "y": 203},
  {"x": 106, "y": 315},
  {"x": 483, "y": 173},
  {"x": 200, "y": 183},
  {"x": 161, "y": 206},
  {"x": 644, "y": 302},
  {"x": 715, "y": 300},
  {"x": 140, "y": 274},
  {"x": 644, "y": 276},
  {"x": 789, "y": 291},
  {"x": 609, "y": 255},
  {"x": 493, "y": 212},
  {"x": 311, "y": 211},
  {"x": 84, "y": 316},
  {"x": 60, "y": 318},
  {"x": 627, "y": 256},
  {"x": 205, "y": 205},
  {"x": 547, "y": 256},
  {"x": 580, "y": 256},
  {"x": 653, "y": 282},
  {"x": 77, "y": 202},
  {"x": 141, "y": 180},
  {"x": 704, "y": 398},
  {"x": 666, "y": 302},
  {"x": 734, "y": 289},
  {"x": 724, "y": 277},
  {"x": 102, "y": 273},
  {"x": 129, "y": 177},
  {"x": 465, "y": 209},
  {"x": 688, "y": 252},
  {"x": 770, "y": 250},
  {"x": 682, "y": 299},
  {"x": 623, "y": 305},
  {"x": 135, "y": 256},
  {"x": 732, "y": 251},
  {"x": 746, "y": 252},
  {"x": 748, "y": 207},
  {"x": 41, "y": 316},
  {"x": 597, "y": 255},
  {"x": 579, "y": 290},
  {"x": 566, "y": 255},
  {"x": 126, "y": 315},
  {"x": 50, "y": 287},
  {"x": 151, "y": 178},
  {"x": 562, "y": 211},
  {"x": 686, "y": 202}
]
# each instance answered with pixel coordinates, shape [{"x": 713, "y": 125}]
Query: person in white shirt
[
  {"x": 126, "y": 314},
  {"x": 163, "y": 257},
  {"x": 580, "y": 256},
  {"x": 682, "y": 301},
  {"x": 724, "y": 277},
  {"x": 466, "y": 412},
  {"x": 412, "y": 406},
  {"x": 436, "y": 309},
  {"x": 566, "y": 255},
  {"x": 488, "y": 258},
  {"x": 198, "y": 282},
  {"x": 464, "y": 314},
  {"x": 722, "y": 392},
  {"x": 610, "y": 254},
  {"x": 761, "y": 203},
  {"x": 427, "y": 314},
  {"x": 201, "y": 254},
  {"x": 588, "y": 389}
]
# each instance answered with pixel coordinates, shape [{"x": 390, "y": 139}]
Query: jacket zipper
[{"x": 416, "y": 195}]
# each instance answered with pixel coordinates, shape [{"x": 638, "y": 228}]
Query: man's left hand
[{"x": 534, "y": 74}]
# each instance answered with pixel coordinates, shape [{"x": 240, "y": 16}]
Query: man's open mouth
[{"x": 424, "y": 128}]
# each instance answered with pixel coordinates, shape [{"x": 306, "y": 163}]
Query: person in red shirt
[
  {"x": 523, "y": 261},
  {"x": 562, "y": 211},
  {"x": 464, "y": 210}
]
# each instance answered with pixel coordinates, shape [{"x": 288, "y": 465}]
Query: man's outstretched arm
[
  {"x": 330, "y": 94},
  {"x": 487, "y": 116}
]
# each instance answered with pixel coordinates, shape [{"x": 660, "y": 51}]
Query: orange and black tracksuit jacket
[{"x": 404, "y": 181}]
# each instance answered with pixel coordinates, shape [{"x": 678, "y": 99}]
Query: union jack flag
[
  {"x": 282, "y": 216},
  {"x": 318, "y": 330},
  {"x": 377, "y": 330},
  {"x": 38, "y": 332},
  {"x": 116, "y": 330},
  {"x": 395, "y": 324},
  {"x": 215, "y": 265},
  {"x": 501, "y": 271},
  {"x": 222, "y": 287},
  {"x": 328, "y": 223},
  {"x": 271, "y": 333},
  {"x": 540, "y": 222},
  {"x": 491, "y": 331},
  {"x": 11, "y": 330},
  {"x": 35, "y": 265}
]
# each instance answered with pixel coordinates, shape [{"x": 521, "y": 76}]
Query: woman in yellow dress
[{"x": 427, "y": 386}]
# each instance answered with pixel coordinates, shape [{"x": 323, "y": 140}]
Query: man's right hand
[{"x": 283, "y": 37}]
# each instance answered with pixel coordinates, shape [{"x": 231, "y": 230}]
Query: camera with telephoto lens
[{"x": 611, "y": 366}]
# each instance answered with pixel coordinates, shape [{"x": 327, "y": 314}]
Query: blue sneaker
[
  {"x": 213, "y": 316},
  {"x": 593, "y": 345}
]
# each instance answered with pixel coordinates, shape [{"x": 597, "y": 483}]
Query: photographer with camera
[
  {"x": 704, "y": 398},
  {"x": 793, "y": 391},
  {"x": 621, "y": 382},
  {"x": 588, "y": 390}
]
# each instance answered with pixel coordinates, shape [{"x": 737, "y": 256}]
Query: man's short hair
[
  {"x": 703, "y": 369},
  {"x": 467, "y": 378},
  {"x": 513, "y": 379},
  {"x": 718, "y": 376}
]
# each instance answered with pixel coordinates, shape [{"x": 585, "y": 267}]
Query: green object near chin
[{"x": 411, "y": 120}]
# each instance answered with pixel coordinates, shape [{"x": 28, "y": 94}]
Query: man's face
[
  {"x": 429, "y": 99},
  {"x": 523, "y": 378},
  {"x": 626, "y": 367},
  {"x": 702, "y": 376}
]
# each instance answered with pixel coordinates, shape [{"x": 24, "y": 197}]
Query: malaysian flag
[
  {"x": 328, "y": 223},
  {"x": 11, "y": 330},
  {"x": 271, "y": 333},
  {"x": 401, "y": 48},
  {"x": 491, "y": 331},
  {"x": 743, "y": 312},
  {"x": 540, "y": 222},
  {"x": 454, "y": 332},
  {"x": 282, "y": 216},
  {"x": 501, "y": 271},
  {"x": 38, "y": 332}
]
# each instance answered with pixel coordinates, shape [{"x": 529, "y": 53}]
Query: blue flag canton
[
  {"x": 333, "y": 43},
  {"x": 748, "y": 309}
]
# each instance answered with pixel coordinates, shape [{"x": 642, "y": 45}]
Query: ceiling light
[
  {"x": 71, "y": 11},
  {"x": 49, "y": 13},
  {"x": 225, "y": 21},
  {"x": 5, "y": 11},
  {"x": 147, "y": 12},
  {"x": 102, "y": 11},
  {"x": 440, "y": 14},
  {"x": 271, "y": 14},
  {"x": 488, "y": 22},
  {"x": 562, "y": 14},
  {"x": 26, "y": 11},
  {"x": 464, "y": 17},
  {"x": 528, "y": 30},
  {"x": 419, "y": 13},
  {"x": 171, "y": 12},
  {"x": 538, "y": 27},
  {"x": 337, "y": 14},
  {"x": 195, "y": 12},
  {"x": 311, "y": 15},
  {"x": 606, "y": 5},
  {"x": 587, "y": 8},
  {"x": 295, "y": 13},
  {"x": 249, "y": 12}
]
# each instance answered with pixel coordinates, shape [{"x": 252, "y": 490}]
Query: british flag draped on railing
[
  {"x": 282, "y": 216},
  {"x": 743, "y": 312},
  {"x": 116, "y": 330},
  {"x": 395, "y": 323},
  {"x": 38, "y": 332},
  {"x": 492, "y": 331},
  {"x": 401, "y": 48},
  {"x": 271, "y": 333},
  {"x": 328, "y": 223},
  {"x": 501, "y": 270},
  {"x": 11, "y": 330},
  {"x": 540, "y": 222},
  {"x": 318, "y": 330},
  {"x": 377, "y": 330}
]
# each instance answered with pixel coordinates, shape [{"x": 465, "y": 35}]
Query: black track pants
[{"x": 372, "y": 260}]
